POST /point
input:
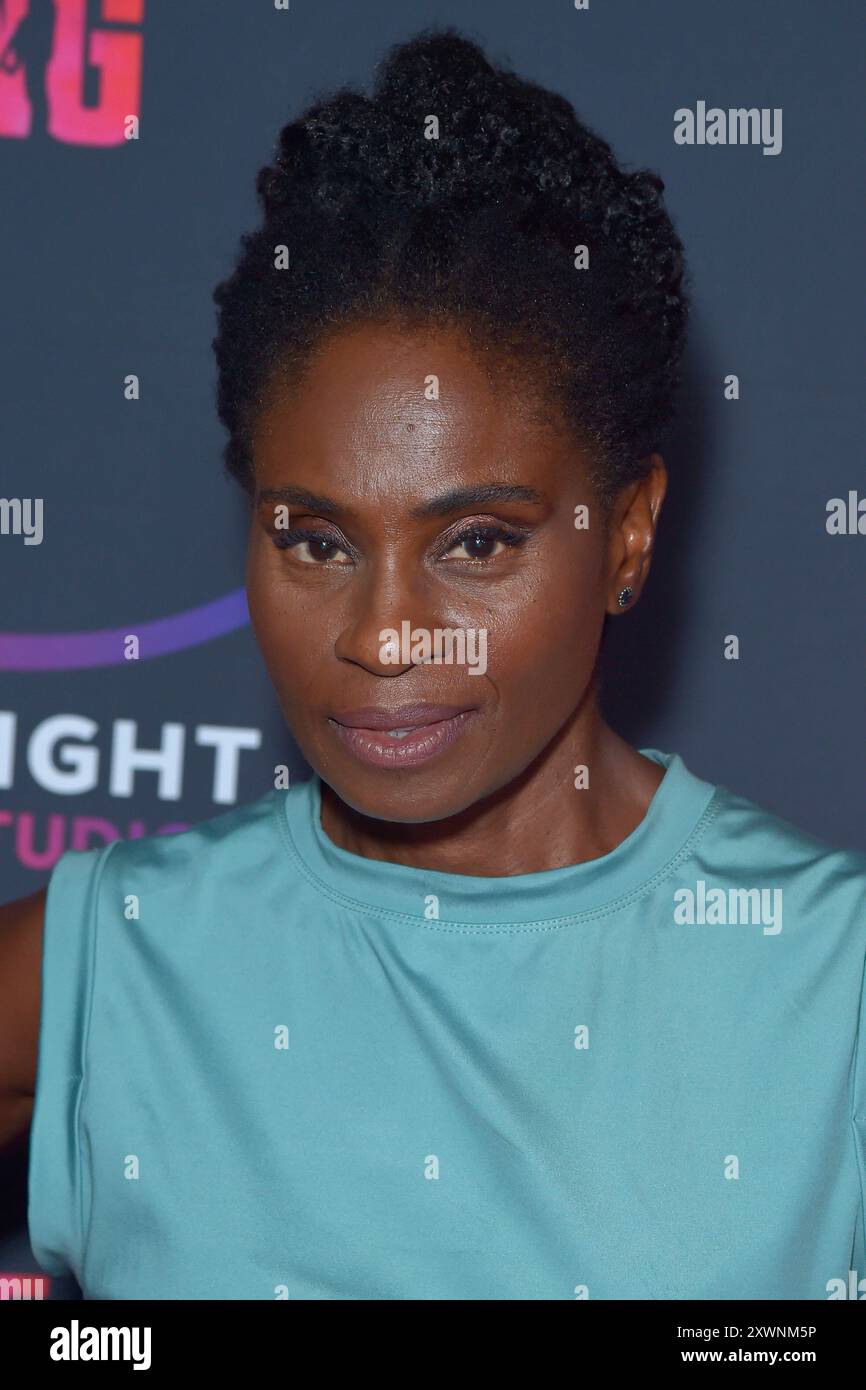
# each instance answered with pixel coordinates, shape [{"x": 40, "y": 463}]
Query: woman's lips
[{"x": 375, "y": 745}]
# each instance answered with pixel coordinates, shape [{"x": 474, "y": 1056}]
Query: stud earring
[{"x": 625, "y": 596}]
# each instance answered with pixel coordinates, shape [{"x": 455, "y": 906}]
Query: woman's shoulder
[
  {"x": 233, "y": 846},
  {"x": 746, "y": 841},
  {"x": 223, "y": 840},
  {"x": 761, "y": 830}
]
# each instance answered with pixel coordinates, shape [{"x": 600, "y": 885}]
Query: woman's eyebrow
[
  {"x": 475, "y": 497},
  {"x": 299, "y": 498},
  {"x": 446, "y": 502}
]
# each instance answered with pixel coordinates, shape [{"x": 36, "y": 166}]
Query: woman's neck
[{"x": 538, "y": 821}]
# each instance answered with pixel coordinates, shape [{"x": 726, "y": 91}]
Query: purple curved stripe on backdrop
[{"x": 67, "y": 651}]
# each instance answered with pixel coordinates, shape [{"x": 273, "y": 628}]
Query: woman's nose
[{"x": 384, "y": 607}]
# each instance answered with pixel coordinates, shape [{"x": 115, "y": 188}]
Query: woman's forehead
[{"x": 411, "y": 399}]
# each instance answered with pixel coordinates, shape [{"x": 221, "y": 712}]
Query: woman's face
[{"x": 390, "y": 507}]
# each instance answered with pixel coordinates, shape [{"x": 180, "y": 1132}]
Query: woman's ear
[{"x": 631, "y": 533}]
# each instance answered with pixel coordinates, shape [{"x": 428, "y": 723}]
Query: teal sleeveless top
[{"x": 270, "y": 1068}]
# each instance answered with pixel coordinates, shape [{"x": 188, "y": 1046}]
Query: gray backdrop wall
[{"x": 111, "y": 248}]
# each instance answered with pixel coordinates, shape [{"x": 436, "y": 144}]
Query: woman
[{"x": 494, "y": 1006}]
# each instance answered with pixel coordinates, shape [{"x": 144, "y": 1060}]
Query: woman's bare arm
[{"x": 20, "y": 972}]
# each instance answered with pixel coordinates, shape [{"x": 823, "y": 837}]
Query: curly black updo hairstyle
[{"x": 477, "y": 228}]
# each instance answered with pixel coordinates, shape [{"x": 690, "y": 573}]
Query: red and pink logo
[
  {"x": 70, "y": 69},
  {"x": 24, "y": 1287}
]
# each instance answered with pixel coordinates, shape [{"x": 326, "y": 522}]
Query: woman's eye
[
  {"x": 311, "y": 547},
  {"x": 317, "y": 548},
  {"x": 482, "y": 543}
]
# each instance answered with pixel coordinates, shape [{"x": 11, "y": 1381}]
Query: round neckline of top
[{"x": 679, "y": 811}]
